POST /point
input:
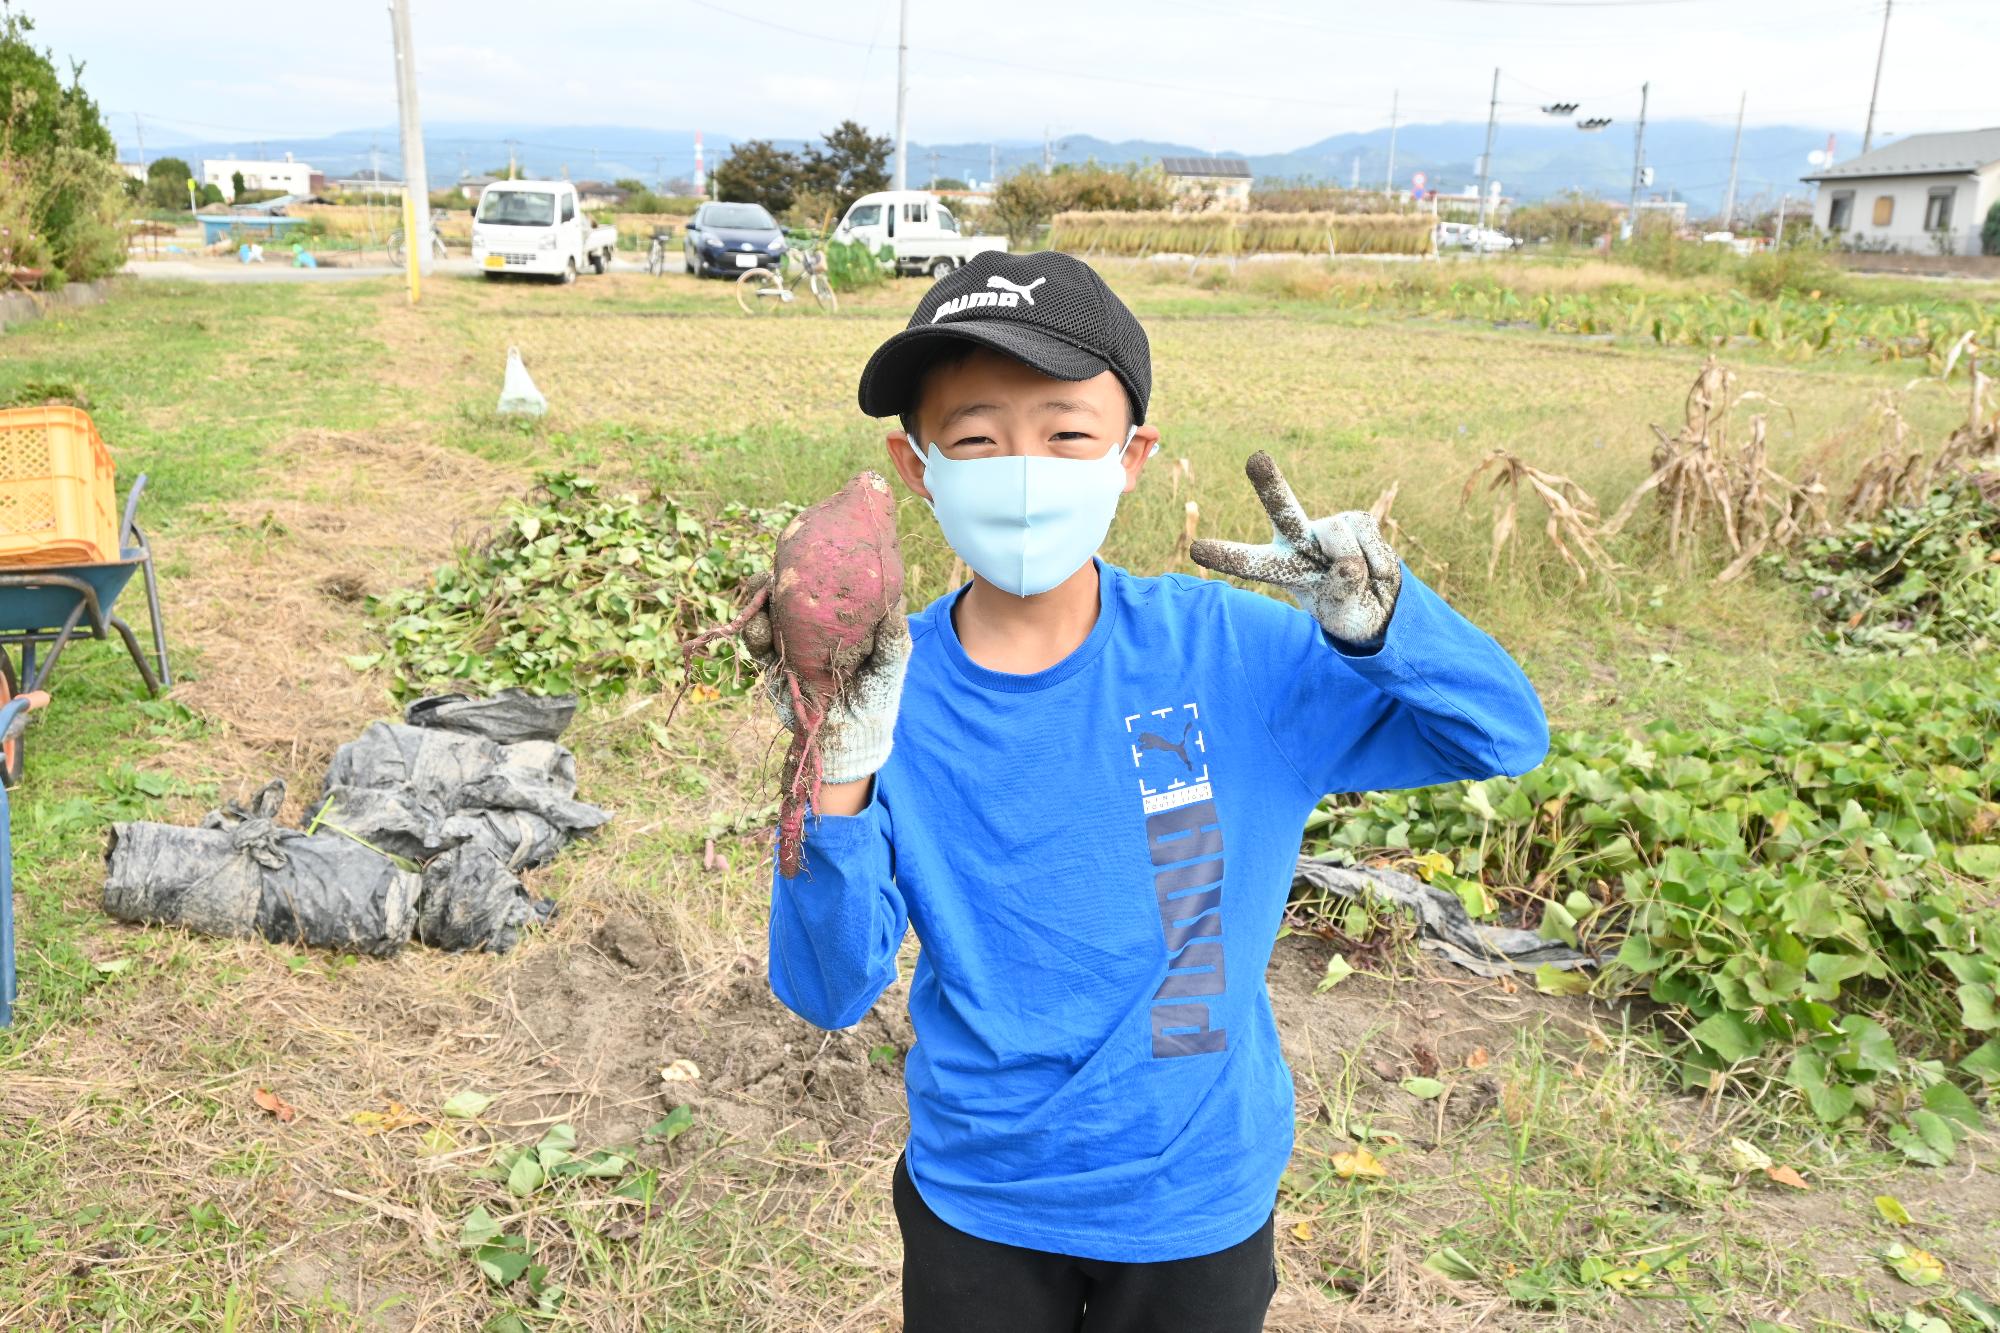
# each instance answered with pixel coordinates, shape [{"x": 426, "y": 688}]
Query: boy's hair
[{"x": 948, "y": 352}]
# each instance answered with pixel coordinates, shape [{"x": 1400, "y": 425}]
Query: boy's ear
[
  {"x": 1144, "y": 441},
  {"x": 903, "y": 458}
]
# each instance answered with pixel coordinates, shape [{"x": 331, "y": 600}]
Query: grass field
[{"x": 310, "y": 445}]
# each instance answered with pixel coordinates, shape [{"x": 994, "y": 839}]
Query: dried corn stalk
[
  {"x": 1897, "y": 475},
  {"x": 1190, "y": 526},
  {"x": 1571, "y": 513}
]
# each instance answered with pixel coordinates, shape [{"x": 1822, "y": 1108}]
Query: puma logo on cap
[{"x": 1005, "y": 296}]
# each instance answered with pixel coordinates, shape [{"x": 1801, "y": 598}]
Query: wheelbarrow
[
  {"x": 13, "y": 717},
  {"x": 47, "y": 607}
]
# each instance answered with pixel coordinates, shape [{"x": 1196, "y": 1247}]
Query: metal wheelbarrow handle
[{"x": 14, "y": 716}]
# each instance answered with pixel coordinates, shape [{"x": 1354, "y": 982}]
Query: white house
[
  {"x": 289, "y": 176},
  {"x": 1213, "y": 182},
  {"x": 1928, "y": 193}
]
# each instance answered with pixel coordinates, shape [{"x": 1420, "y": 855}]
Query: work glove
[
  {"x": 1339, "y": 569},
  {"x": 854, "y": 738}
]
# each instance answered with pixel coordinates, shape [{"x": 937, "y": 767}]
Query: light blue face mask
[{"x": 1024, "y": 524}]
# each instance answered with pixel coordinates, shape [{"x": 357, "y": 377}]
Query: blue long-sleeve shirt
[{"x": 1096, "y": 859}]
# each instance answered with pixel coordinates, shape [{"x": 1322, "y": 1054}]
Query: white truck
[
  {"x": 537, "y": 227},
  {"x": 917, "y": 228}
]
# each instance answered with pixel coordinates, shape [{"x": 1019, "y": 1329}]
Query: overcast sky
[{"x": 1248, "y": 75}]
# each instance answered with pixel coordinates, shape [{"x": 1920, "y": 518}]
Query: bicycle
[
  {"x": 396, "y": 245},
  {"x": 656, "y": 257},
  {"x": 762, "y": 290}
]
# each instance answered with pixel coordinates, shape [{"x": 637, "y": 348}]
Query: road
[{"x": 228, "y": 270}]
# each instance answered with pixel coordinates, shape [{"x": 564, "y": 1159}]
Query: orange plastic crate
[{"x": 58, "y": 498}]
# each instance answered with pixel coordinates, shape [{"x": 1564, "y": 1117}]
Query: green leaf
[
  {"x": 479, "y": 1227},
  {"x": 1423, "y": 1089},
  {"x": 1979, "y": 860},
  {"x": 1552, "y": 980},
  {"x": 1892, "y": 1210},
  {"x": 645, "y": 1187},
  {"x": 466, "y": 1105},
  {"x": 559, "y": 1138},
  {"x": 1917, "y": 1267},
  {"x": 1338, "y": 969},
  {"x": 1952, "y": 1105},
  {"x": 1977, "y": 1007},
  {"x": 1450, "y": 1263},
  {"x": 1984, "y": 1062},
  {"x": 1729, "y": 1036},
  {"x": 1982, "y": 1310},
  {"x": 363, "y": 661},
  {"x": 503, "y": 1260},
  {"x": 1808, "y": 1073},
  {"x": 526, "y": 1176},
  {"x": 675, "y": 1123}
]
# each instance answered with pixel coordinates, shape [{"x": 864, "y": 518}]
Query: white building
[
  {"x": 289, "y": 176},
  {"x": 1927, "y": 194},
  {"x": 1209, "y": 182}
]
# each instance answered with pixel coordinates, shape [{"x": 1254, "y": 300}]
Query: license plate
[
  {"x": 496, "y": 261},
  {"x": 746, "y": 261}
]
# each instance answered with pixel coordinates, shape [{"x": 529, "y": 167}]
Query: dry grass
[{"x": 1228, "y": 234}]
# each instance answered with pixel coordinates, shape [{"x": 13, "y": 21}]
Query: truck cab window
[
  {"x": 569, "y": 207},
  {"x": 913, "y": 212},
  {"x": 865, "y": 215},
  {"x": 946, "y": 222}
]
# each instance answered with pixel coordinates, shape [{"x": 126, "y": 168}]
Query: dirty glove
[
  {"x": 1339, "y": 569},
  {"x": 855, "y": 735}
]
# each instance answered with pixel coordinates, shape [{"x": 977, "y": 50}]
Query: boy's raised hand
[
  {"x": 854, "y": 737},
  {"x": 1339, "y": 569}
]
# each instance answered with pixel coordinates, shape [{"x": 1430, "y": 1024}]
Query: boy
[{"x": 1090, "y": 814}]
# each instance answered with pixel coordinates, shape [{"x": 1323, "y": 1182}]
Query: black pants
[{"x": 955, "y": 1283}]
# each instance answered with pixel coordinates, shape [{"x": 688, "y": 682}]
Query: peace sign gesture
[{"x": 1337, "y": 568}]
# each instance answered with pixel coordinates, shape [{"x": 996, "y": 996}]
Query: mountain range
[{"x": 1690, "y": 158}]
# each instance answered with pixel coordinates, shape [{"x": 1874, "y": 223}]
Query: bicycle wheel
[
  {"x": 396, "y": 249},
  {"x": 759, "y": 291},
  {"x": 823, "y": 293},
  {"x": 655, "y": 260}
]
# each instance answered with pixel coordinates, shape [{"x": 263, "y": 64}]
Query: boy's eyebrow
[
  {"x": 1047, "y": 405},
  {"x": 965, "y": 410}
]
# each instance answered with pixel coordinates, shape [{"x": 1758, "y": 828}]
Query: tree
[
  {"x": 166, "y": 182},
  {"x": 948, "y": 183},
  {"x": 236, "y": 185},
  {"x": 1989, "y": 234},
  {"x": 758, "y": 172},
  {"x": 211, "y": 193},
  {"x": 1573, "y": 218},
  {"x": 61, "y": 193},
  {"x": 852, "y": 163}
]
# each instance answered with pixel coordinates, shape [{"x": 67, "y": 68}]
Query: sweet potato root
[{"x": 837, "y": 574}]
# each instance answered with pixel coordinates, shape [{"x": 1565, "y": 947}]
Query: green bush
[
  {"x": 580, "y": 592},
  {"x": 1790, "y": 272},
  {"x": 850, "y": 266},
  {"x": 1808, "y": 889},
  {"x": 1989, "y": 232},
  {"x": 60, "y": 188}
]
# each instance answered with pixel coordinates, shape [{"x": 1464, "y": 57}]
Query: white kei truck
[
  {"x": 916, "y": 227},
  {"x": 537, "y": 227}
]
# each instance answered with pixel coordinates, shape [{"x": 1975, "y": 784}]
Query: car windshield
[
  {"x": 738, "y": 215},
  {"x": 518, "y": 208}
]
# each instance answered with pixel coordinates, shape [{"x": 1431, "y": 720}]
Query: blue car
[{"x": 728, "y": 239}]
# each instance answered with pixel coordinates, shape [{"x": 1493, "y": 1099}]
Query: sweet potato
[{"x": 837, "y": 574}]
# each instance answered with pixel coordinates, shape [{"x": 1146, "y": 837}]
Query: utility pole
[
  {"x": 1048, "y": 153},
  {"x": 140, "y": 130},
  {"x": 512, "y": 145},
  {"x": 1389, "y": 176},
  {"x": 1486, "y": 158},
  {"x": 1868, "y": 134},
  {"x": 992, "y": 165},
  {"x": 934, "y": 162},
  {"x": 903, "y": 99},
  {"x": 1735, "y": 154},
  {"x": 416, "y": 180},
  {"x": 1638, "y": 162}
]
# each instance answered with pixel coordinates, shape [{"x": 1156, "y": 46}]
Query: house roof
[
  {"x": 1205, "y": 166},
  {"x": 1921, "y": 155}
]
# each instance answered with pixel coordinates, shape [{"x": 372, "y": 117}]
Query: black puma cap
[{"x": 1046, "y": 309}]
